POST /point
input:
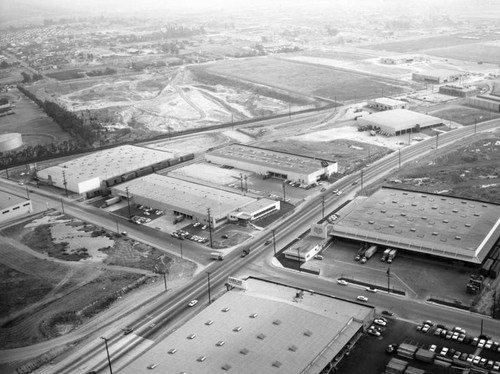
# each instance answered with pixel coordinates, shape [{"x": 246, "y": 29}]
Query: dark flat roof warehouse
[
  {"x": 261, "y": 156},
  {"x": 445, "y": 226}
]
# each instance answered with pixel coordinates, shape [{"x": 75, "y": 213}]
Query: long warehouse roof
[
  {"x": 445, "y": 226},
  {"x": 267, "y": 328},
  {"x": 278, "y": 160}
]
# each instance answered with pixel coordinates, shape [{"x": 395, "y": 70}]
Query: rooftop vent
[
  {"x": 277, "y": 322},
  {"x": 371, "y": 222},
  {"x": 253, "y": 315},
  {"x": 308, "y": 333},
  {"x": 403, "y": 214},
  {"x": 261, "y": 336},
  {"x": 455, "y": 211},
  {"x": 237, "y": 329},
  {"x": 413, "y": 204},
  {"x": 244, "y": 351},
  {"x": 383, "y": 211},
  {"x": 458, "y": 237},
  {"x": 391, "y": 226},
  {"x": 445, "y": 221},
  {"x": 276, "y": 364},
  {"x": 292, "y": 348},
  {"x": 413, "y": 229},
  {"x": 435, "y": 233},
  {"x": 201, "y": 358},
  {"x": 467, "y": 225},
  {"x": 226, "y": 367}
]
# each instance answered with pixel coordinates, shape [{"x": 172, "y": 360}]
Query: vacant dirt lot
[{"x": 58, "y": 272}]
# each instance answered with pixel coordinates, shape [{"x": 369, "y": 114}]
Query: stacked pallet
[
  {"x": 407, "y": 350},
  {"x": 396, "y": 366}
]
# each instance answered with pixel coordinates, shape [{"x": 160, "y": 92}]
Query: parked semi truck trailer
[
  {"x": 385, "y": 255},
  {"x": 369, "y": 253},
  {"x": 392, "y": 254}
]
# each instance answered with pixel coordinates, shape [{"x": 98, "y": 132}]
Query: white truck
[
  {"x": 385, "y": 255},
  {"x": 391, "y": 256},
  {"x": 369, "y": 253},
  {"x": 217, "y": 256}
]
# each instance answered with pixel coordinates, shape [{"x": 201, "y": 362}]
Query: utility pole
[
  {"x": 117, "y": 229},
  {"x": 475, "y": 126},
  {"x": 27, "y": 192},
  {"x": 399, "y": 157},
  {"x": 289, "y": 111},
  {"x": 107, "y": 351},
  {"x": 361, "y": 179},
  {"x": 323, "y": 205},
  {"x": 181, "y": 251},
  {"x": 208, "y": 281},
  {"x": 298, "y": 257},
  {"x": 388, "y": 280},
  {"x": 284, "y": 197},
  {"x": 482, "y": 322},
  {"x": 241, "y": 182},
  {"x": 62, "y": 205},
  {"x": 65, "y": 182},
  {"x": 437, "y": 140},
  {"x": 165, "y": 279},
  {"x": 128, "y": 202},
  {"x": 246, "y": 184},
  {"x": 210, "y": 227},
  {"x": 274, "y": 243}
]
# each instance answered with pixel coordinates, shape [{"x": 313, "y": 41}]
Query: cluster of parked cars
[
  {"x": 147, "y": 211},
  {"x": 140, "y": 220},
  {"x": 182, "y": 234},
  {"x": 460, "y": 335},
  {"x": 376, "y": 328},
  {"x": 197, "y": 224}
]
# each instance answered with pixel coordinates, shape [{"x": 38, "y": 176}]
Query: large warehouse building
[
  {"x": 89, "y": 173},
  {"x": 399, "y": 122},
  {"x": 13, "y": 206},
  {"x": 454, "y": 228},
  {"x": 260, "y": 327},
  {"x": 438, "y": 76},
  {"x": 301, "y": 169},
  {"x": 193, "y": 200}
]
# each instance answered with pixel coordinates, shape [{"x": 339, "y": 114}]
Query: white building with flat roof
[
  {"x": 439, "y": 76},
  {"x": 263, "y": 327},
  {"x": 386, "y": 103},
  {"x": 13, "y": 206},
  {"x": 193, "y": 200},
  {"x": 265, "y": 162},
  {"x": 87, "y": 173},
  {"x": 399, "y": 121}
]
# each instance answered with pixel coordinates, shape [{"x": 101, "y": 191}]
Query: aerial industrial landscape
[{"x": 250, "y": 187}]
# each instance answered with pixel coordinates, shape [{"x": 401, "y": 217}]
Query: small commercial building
[
  {"x": 259, "y": 326},
  {"x": 439, "y": 76},
  {"x": 386, "y": 103},
  {"x": 194, "y": 201},
  {"x": 306, "y": 248},
  {"x": 104, "y": 168},
  {"x": 13, "y": 206},
  {"x": 398, "y": 122},
  {"x": 301, "y": 169},
  {"x": 453, "y": 228}
]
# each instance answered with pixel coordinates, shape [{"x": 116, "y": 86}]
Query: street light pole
[
  {"x": 323, "y": 205},
  {"x": 284, "y": 197},
  {"x": 399, "y": 153},
  {"x": 65, "y": 182},
  {"x": 274, "y": 243},
  {"x": 165, "y": 280},
  {"x": 210, "y": 227},
  {"x": 107, "y": 351},
  {"x": 361, "y": 179},
  {"x": 181, "y": 251},
  {"x": 208, "y": 281},
  {"x": 128, "y": 202},
  {"x": 62, "y": 205},
  {"x": 388, "y": 280}
]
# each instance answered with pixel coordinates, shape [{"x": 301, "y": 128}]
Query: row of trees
[{"x": 28, "y": 78}]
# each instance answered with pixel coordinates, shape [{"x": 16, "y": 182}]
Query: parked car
[
  {"x": 362, "y": 298},
  {"x": 438, "y": 331},
  {"x": 425, "y": 328},
  {"x": 342, "y": 282},
  {"x": 444, "y": 351},
  {"x": 318, "y": 257},
  {"x": 387, "y": 313},
  {"x": 380, "y": 322},
  {"x": 476, "y": 360},
  {"x": 470, "y": 358},
  {"x": 433, "y": 348},
  {"x": 193, "y": 303}
]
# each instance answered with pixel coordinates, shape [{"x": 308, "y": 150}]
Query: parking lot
[
  {"x": 415, "y": 274},
  {"x": 369, "y": 354}
]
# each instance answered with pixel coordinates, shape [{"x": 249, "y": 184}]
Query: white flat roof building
[
  {"x": 266, "y": 328},
  {"x": 399, "y": 121},
  {"x": 190, "y": 199},
  {"x": 386, "y": 103},
  {"x": 12, "y": 206},
  {"x": 262, "y": 161},
  {"x": 87, "y": 173},
  {"x": 438, "y": 76}
]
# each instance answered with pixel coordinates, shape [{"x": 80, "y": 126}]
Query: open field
[
  {"x": 307, "y": 78},
  {"x": 463, "y": 114},
  {"x": 472, "y": 171},
  {"x": 66, "y": 75},
  {"x": 478, "y": 52},
  {"x": 442, "y": 41},
  {"x": 30, "y": 121},
  {"x": 59, "y": 272}
]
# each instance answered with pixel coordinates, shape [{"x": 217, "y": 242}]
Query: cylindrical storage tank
[{"x": 9, "y": 142}]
